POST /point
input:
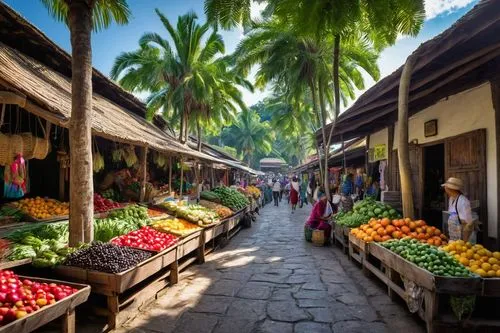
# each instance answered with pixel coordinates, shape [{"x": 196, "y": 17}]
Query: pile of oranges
[
  {"x": 381, "y": 230},
  {"x": 476, "y": 258},
  {"x": 41, "y": 208}
]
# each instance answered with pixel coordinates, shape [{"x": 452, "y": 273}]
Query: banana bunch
[
  {"x": 117, "y": 155},
  {"x": 129, "y": 156},
  {"x": 98, "y": 162},
  {"x": 160, "y": 160}
]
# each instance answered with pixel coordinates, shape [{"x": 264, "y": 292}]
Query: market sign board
[{"x": 377, "y": 153}]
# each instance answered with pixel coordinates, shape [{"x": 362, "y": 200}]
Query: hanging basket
[
  {"x": 42, "y": 145},
  {"x": 29, "y": 142},
  {"x": 41, "y": 149},
  {"x": 4, "y": 149},
  {"x": 16, "y": 145}
]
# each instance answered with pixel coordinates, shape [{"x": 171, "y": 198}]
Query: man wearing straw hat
[{"x": 460, "y": 223}]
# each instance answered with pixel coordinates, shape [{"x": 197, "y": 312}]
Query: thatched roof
[
  {"x": 18, "y": 33},
  {"x": 463, "y": 56},
  {"x": 48, "y": 95},
  {"x": 353, "y": 149}
]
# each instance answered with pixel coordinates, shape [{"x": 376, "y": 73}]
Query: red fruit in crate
[{"x": 3, "y": 311}]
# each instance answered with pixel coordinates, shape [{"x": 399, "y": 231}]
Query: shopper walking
[
  {"x": 276, "y": 192},
  {"x": 294, "y": 193},
  {"x": 303, "y": 193},
  {"x": 310, "y": 190}
]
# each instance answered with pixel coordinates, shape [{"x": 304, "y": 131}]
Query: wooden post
[
  {"x": 68, "y": 324},
  {"x": 403, "y": 150},
  {"x": 170, "y": 173},
  {"x": 495, "y": 94},
  {"x": 62, "y": 182},
  {"x": 212, "y": 176},
  {"x": 182, "y": 178},
  {"x": 367, "y": 155},
  {"x": 144, "y": 172},
  {"x": 343, "y": 154},
  {"x": 390, "y": 142}
]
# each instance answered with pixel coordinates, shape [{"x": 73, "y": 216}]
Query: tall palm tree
[
  {"x": 83, "y": 16},
  {"x": 249, "y": 135},
  {"x": 187, "y": 77},
  {"x": 379, "y": 22},
  {"x": 299, "y": 64}
]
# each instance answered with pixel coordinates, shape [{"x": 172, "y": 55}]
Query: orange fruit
[
  {"x": 385, "y": 222},
  {"x": 437, "y": 232},
  {"x": 437, "y": 241},
  {"x": 397, "y": 234},
  {"x": 381, "y": 231},
  {"x": 412, "y": 225},
  {"x": 405, "y": 229},
  {"x": 390, "y": 229},
  {"x": 385, "y": 238},
  {"x": 377, "y": 238}
]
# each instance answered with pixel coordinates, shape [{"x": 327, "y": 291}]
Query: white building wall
[{"x": 461, "y": 113}]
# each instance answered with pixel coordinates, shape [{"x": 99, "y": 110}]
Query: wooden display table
[
  {"x": 64, "y": 308},
  {"x": 137, "y": 285},
  {"x": 341, "y": 236},
  {"x": 427, "y": 288}
]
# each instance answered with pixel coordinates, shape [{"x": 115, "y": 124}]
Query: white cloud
[{"x": 434, "y": 8}]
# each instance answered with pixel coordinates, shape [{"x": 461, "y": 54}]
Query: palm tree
[
  {"x": 187, "y": 78},
  {"x": 379, "y": 22},
  {"x": 83, "y": 16},
  {"x": 299, "y": 64},
  {"x": 249, "y": 135}
]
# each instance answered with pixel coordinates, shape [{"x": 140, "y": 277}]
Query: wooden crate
[
  {"x": 491, "y": 287},
  {"x": 435, "y": 288},
  {"x": 116, "y": 283},
  {"x": 64, "y": 308},
  {"x": 341, "y": 237},
  {"x": 357, "y": 249}
]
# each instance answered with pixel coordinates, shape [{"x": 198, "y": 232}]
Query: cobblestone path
[{"x": 268, "y": 279}]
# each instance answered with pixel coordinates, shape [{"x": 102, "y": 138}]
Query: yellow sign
[{"x": 380, "y": 152}]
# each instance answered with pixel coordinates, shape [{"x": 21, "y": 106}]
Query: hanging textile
[{"x": 15, "y": 179}]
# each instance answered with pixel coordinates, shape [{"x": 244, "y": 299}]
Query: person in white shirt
[
  {"x": 460, "y": 223},
  {"x": 276, "y": 192}
]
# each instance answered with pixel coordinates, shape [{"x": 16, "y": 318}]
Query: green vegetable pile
[
  {"x": 428, "y": 257},
  {"x": 132, "y": 211},
  {"x": 231, "y": 198},
  {"x": 111, "y": 194},
  {"x": 108, "y": 228},
  {"x": 57, "y": 231},
  {"x": 15, "y": 213},
  {"x": 363, "y": 211},
  {"x": 45, "y": 253},
  {"x": 210, "y": 196}
]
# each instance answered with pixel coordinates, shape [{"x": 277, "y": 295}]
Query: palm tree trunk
[
  {"x": 403, "y": 152},
  {"x": 80, "y": 130},
  {"x": 336, "y": 91},
  {"x": 181, "y": 130},
  {"x": 316, "y": 112},
  {"x": 198, "y": 128},
  {"x": 326, "y": 146}
]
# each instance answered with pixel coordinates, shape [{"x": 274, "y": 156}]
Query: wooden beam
[
  {"x": 182, "y": 177},
  {"x": 390, "y": 143},
  {"x": 170, "y": 173},
  {"x": 9, "y": 97},
  {"x": 144, "y": 172},
  {"x": 495, "y": 94}
]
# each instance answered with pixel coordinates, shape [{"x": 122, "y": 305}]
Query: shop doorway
[{"x": 434, "y": 174}]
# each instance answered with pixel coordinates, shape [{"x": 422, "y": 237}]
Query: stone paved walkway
[{"x": 268, "y": 279}]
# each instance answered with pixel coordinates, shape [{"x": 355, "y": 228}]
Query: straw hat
[{"x": 454, "y": 184}]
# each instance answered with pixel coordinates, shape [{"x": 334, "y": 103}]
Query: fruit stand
[
  {"x": 32, "y": 314},
  {"x": 432, "y": 295}
]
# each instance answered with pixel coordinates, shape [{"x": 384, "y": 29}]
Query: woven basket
[
  {"x": 16, "y": 145},
  {"x": 29, "y": 142},
  {"x": 41, "y": 148},
  {"x": 318, "y": 237},
  {"x": 4, "y": 149}
]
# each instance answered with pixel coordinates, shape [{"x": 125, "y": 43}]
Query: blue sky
[{"x": 107, "y": 44}]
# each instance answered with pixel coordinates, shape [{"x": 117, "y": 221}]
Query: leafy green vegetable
[{"x": 231, "y": 198}]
